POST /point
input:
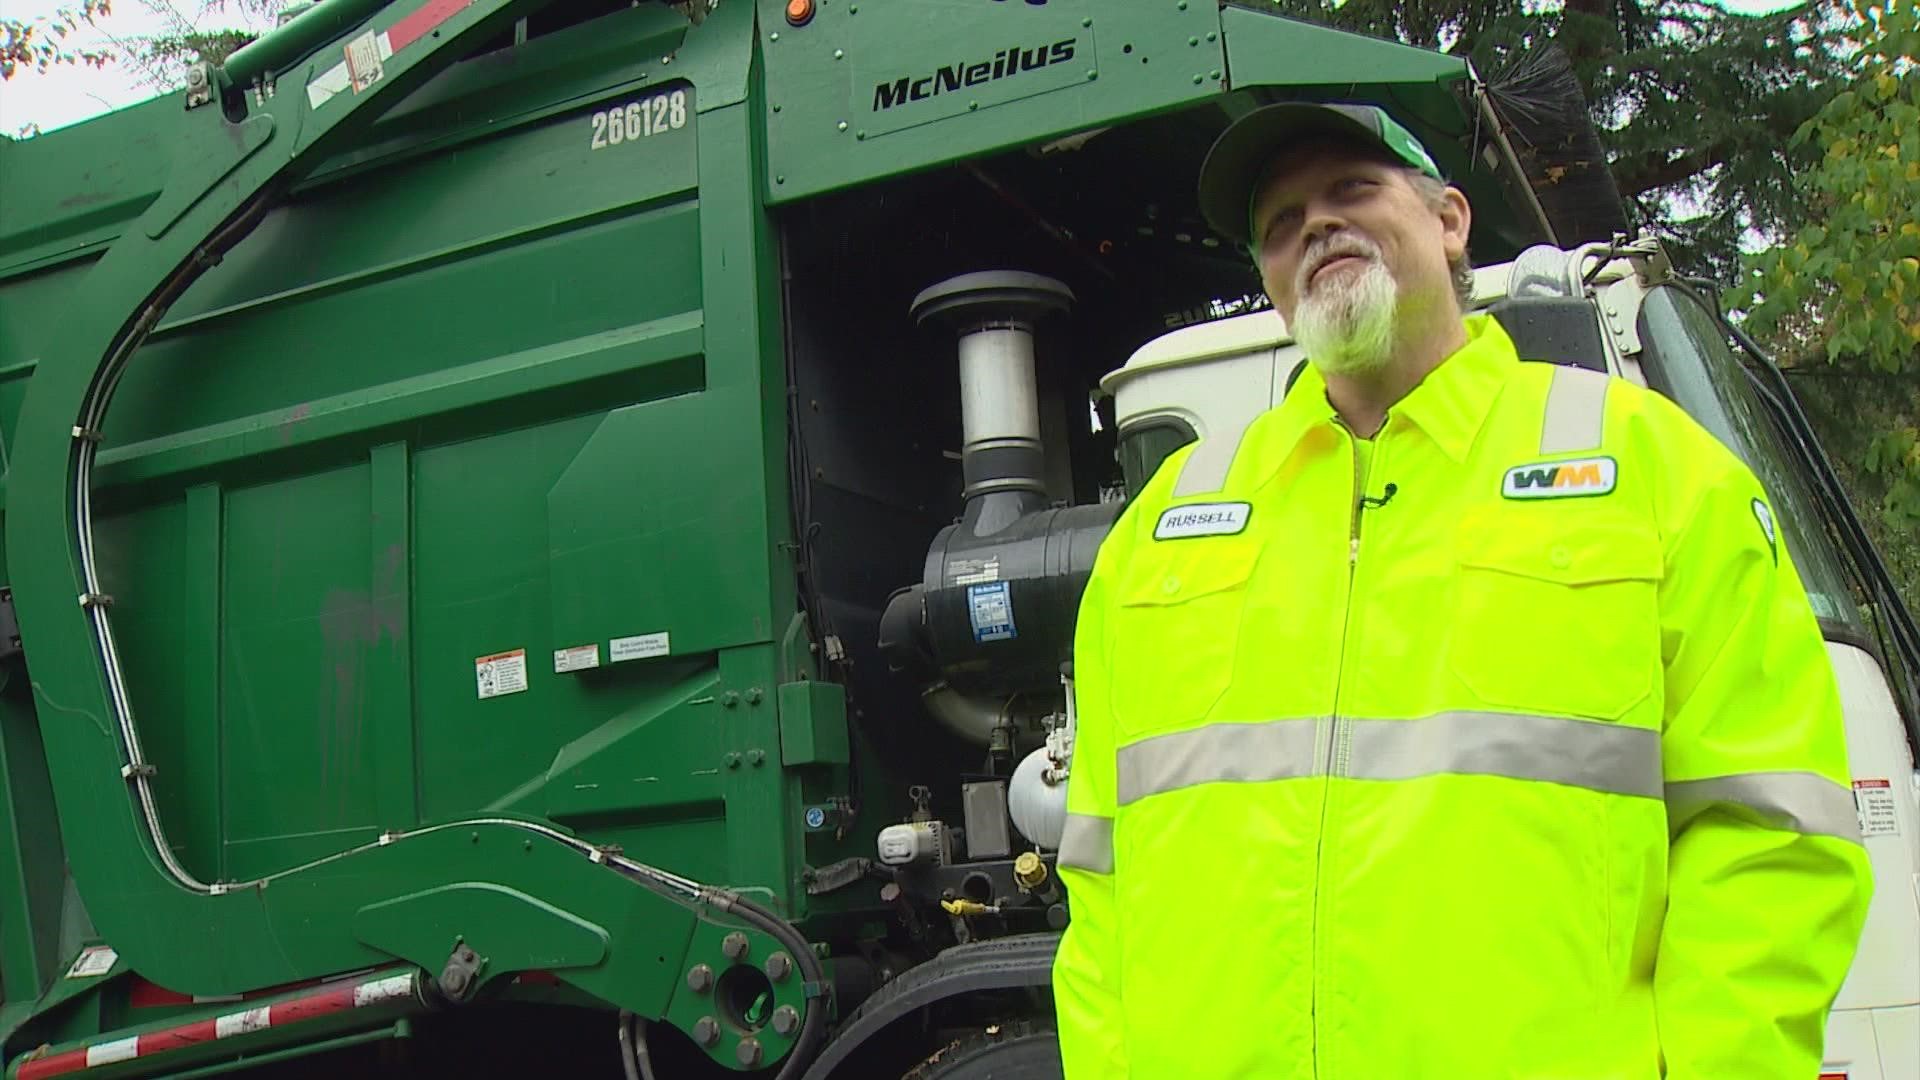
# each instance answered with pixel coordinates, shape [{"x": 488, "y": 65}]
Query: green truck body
[{"x": 521, "y": 431}]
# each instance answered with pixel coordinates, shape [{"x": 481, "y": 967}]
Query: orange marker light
[{"x": 799, "y": 12}]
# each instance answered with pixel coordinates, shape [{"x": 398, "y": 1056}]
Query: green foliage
[
  {"x": 1695, "y": 104},
  {"x": 42, "y": 43},
  {"x": 205, "y": 32},
  {"x": 1839, "y": 298}
]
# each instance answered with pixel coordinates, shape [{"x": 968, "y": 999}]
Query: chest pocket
[
  {"x": 1555, "y": 619},
  {"x": 1176, "y": 632}
]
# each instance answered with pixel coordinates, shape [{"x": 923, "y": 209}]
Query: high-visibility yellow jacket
[{"x": 1535, "y": 769}]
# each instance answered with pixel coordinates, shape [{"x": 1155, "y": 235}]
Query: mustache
[{"x": 1333, "y": 247}]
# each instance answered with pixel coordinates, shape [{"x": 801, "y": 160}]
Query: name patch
[
  {"x": 1561, "y": 479},
  {"x": 1203, "y": 519}
]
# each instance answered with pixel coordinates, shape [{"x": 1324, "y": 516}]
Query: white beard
[{"x": 1346, "y": 325}]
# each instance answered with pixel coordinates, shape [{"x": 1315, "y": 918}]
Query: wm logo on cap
[{"x": 1561, "y": 479}]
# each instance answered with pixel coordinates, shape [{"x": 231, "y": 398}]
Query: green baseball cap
[{"x": 1233, "y": 167}]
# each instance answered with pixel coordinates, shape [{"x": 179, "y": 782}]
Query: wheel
[{"x": 1020, "y": 1050}]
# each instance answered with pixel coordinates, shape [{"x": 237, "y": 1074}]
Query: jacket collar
[{"x": 1449, "y": 405}]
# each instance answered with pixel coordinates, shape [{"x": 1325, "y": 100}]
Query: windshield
[
  {"x": 1687, "y": 358},
  {"x": 1144, "y": 445}
]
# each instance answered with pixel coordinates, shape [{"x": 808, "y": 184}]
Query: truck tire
[{"x": 1021, "y": 1050}]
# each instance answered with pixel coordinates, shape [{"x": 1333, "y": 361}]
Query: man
[{"x": 1388, "y": 766}]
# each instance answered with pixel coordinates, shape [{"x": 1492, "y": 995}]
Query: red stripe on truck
[
  {"x": 339, "y": 997},
  {"x": 415, "y": 26}
]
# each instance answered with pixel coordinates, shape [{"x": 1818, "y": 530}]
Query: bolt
[
  {"x": 859, "y": 134},
  {"x": 526, "y": 845},
  {"x": 779, "y": 179},
  {"x": 841, "y": 126},
  {"x": 1214, "y": 75},
  {"x": 839, "y": 54},
  {"x": 889, "y": 893},
  {"x": 1197, "y": 80},
  {"x": 1091, "y": 75},
  {"x": 700, "y": 979},
  {"x": 756, "y": 757},
  {"x": 778, "y": 967},
  {"x": 706, "y": 1031},
  {"x": 454, "y": 981},
  {"x": 733, "y": 759},
  {"x": 786, "y": 1020},
  {"x": 776, "y": 108},
  {"x": 1086, "y": 24},
  {"x": 853, "y": 9},
  {"x": 773, "y": 37},
  {"x": 1193, "y": 41},
  {"x": 1211, "y": 35},
  {"x": 196, "y": 77},
  {"x": 1182, "y": 5},
  {"x": 730, "y": 699},
  {"x": 748, "y": 1053},
  {"x": 754, "y": 695},
  {"x": 734, "y": 946}
]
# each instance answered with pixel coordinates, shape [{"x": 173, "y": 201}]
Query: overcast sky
[{"x": 68, "y": 94}]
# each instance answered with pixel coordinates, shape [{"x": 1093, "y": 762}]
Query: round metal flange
[{"x": 991, "y": 296}]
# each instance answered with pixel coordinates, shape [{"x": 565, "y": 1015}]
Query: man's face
[{"x": 1347, "y": 247}]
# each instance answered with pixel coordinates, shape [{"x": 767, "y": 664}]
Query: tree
[
  {"x": 1695, "y": 105},
  {"x": 214, "y": 30},
  {"x": 1839, "y": 297},
  {"x": 42, "y": 43}
]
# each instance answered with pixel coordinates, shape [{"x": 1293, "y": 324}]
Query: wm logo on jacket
[{"x": 1561, "y": 479}]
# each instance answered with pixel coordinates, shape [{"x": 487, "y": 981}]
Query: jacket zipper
[{"x": 1339, "y": 734}]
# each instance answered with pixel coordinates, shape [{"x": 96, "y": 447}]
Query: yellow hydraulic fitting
[
  {"x": 1029, "y": 871},
  {"x": 968, "y": 907}
]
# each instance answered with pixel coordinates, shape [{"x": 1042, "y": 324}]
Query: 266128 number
[{"x": 639, "y": 119}]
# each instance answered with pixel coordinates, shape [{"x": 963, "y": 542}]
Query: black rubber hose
[{"x": 633, "y": 1048}]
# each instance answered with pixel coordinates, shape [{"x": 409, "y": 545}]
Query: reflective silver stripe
[
  {"x": 1576, "y": 411},
  {"x": 1087, "y": 843},
  {"x": 1242, "y": 753},
  {"x": 1612, "y": 758},
  {"x": 1207, "y": 466},
  {"x": 1802, "y": 802}
]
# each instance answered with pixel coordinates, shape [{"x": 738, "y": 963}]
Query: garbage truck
[{"x": 543, "y": 538}]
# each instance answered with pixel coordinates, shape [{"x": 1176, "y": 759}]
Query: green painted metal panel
[
  {"x": 489, "y": 919},
  {"x": 1264, "y": 50},
  {"x": 349, "y": 433},
  {"x": 836, "y": 111},
  {"x": 813, "y": 723}
]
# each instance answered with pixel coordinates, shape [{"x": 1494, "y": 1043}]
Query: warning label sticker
[
  {"x": 638, "y": 647},
  {"x": 578, "y": 658},
  {"x": 1874, "y": 801},
  {"x": 501, "y": 673},
  {"x": 973, "y": 571},
  {"x": 93, "y": 960},
  {"x": 363, "y": 61}
]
